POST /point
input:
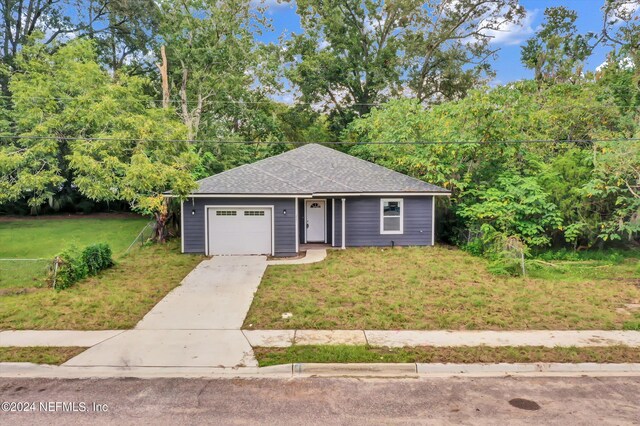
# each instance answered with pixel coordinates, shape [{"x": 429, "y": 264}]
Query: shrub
[
  {"x": 75, "y": 265},
  {"x": 71, "y": 269},
  {"x": 97, "y": 257}
]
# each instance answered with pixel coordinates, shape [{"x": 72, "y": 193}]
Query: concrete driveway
[{"x": 196, "y": 325}]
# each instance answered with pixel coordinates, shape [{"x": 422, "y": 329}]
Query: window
[
  {"x": 254, "y": 212},
  {"x": 225, "y": 212},
  {"x": 391, "y": 216},
  {"x": 314, "y": 206}
]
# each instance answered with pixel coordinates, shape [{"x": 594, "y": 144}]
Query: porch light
[
  {"x": 193, "y": 212},
  {"x": 284, "y": 212}
]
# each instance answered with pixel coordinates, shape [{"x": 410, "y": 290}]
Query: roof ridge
[
  {"x": 255, "y": 162},
  {"x": 276, "y": 177},
  {"x": 386, "y": 169},
  {"x": 317, "y": 174}
]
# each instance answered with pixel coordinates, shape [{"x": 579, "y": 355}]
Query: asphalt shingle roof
[{"x": 312, "y": 169}]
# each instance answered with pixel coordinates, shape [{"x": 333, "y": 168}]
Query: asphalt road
[{"x": 566, "y": 401}]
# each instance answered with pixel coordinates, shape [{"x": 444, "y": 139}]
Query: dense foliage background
[{"x": 106, "y": 104}]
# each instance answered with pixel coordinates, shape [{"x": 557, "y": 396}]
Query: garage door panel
[{"x": 239, "y": 231}]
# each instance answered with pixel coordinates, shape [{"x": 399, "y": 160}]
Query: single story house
[{"x": 311, "y": 194}]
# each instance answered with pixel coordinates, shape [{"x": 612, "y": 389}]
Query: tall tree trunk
[
  {"x": 164, "y": 77},
  {"x": 161, "y": 216}
]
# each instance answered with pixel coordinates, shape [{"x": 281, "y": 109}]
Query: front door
[{"x": 316, "y": 219}]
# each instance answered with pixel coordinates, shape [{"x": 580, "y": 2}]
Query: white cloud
[
  {"x": 510, "y": 33},
  {"x": 625, "y": 63}
]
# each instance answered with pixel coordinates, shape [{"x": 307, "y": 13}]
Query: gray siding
[
  {"x": 337, "y": 233},
  {"x": 363, "y": 222},
  {"x": 285, "y": 226}
]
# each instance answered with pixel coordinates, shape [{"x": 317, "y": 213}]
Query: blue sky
[{"x": 507, "y": 65}]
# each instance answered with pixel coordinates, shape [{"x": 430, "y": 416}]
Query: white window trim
[{"x": 400, "y": 201}]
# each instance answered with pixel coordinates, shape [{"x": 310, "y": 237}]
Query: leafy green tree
[
  {"x": 212, "y": 60},
  {"x": 513, "y": 206},
  {"x": 123, "y": 29},
  {"x": 488, "y": 120},
  {"x": 557, "y": 52},
  {"x": 353, "y": 54},
  {"x": 79, "y": 127}
]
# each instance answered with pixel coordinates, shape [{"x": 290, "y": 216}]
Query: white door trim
[
  {"x": 306, "y": 216},
  {"x": 218, "y": 206},
  {"x": 297, "y": 227},
  {"x": 344, "y": 221},
  {"x": 181, "y": 226},
  {"x": 433, "y": 221}
]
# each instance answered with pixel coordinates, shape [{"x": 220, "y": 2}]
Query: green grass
[
  {"x": 39, "y": 354},
  {"x": 116, "y": 298},
  {"x": 427, "y": 288},
  {"x": 44, "y": 238},
  {"x": 431, "y": 354}
]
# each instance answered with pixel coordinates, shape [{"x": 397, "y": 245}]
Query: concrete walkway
[
  {"x": 312, "y": 256},
  {"x": 196, "y": 325}
]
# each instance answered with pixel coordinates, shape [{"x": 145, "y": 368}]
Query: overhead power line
[
  {"x": 259, "y": 102},
  {"x": 236, "y": 142}
]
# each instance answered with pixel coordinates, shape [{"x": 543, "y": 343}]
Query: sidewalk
[
  {"x": 364, "y": 370},
  {"x": 408, "y": 338},
  {"x": 401, "y": 338}
]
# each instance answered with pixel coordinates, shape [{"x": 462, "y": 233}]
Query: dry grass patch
[
  {"x": 456, "y": 355},
  {"x": 427, "y": 288},
  {"x": 117, "y": 298},
  {"x": 39, "y": 354}
]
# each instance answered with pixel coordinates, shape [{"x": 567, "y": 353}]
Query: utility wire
[
  {"x": 240, "y": 102},
  {"x": 232, "y": 142}
]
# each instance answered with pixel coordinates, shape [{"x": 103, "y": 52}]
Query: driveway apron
[{"x": 196, "y": 325}]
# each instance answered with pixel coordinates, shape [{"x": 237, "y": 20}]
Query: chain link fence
[
  {"x": 142, "y": 238},
  {"x": 16, "y": 272}
]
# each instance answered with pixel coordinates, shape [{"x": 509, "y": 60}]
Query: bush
[
  {"x": 75, "y": 265},
  {"x": 71, "y": 268},
  {"x": 97, "y": 257}
]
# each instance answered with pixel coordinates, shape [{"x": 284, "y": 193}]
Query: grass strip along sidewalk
[
  {"x": 431, "y": 354},
  {"x": 39, "y": 354}
]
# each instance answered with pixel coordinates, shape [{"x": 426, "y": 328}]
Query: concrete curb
[{"x": 305, "y": 370}]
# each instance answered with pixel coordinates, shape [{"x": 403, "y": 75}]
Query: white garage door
[{"x": 245, "y": 230}]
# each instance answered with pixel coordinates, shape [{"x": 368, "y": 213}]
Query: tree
[
  {"x": 212, "y": 58},
  {"x": 621, "y": 27},
  {"x": 513, "y": 206},
  {"x": 557, "y": 52},
  {"x": 582, "y": 179},
  {"x": 79, "y": 127},
  {"x": 355, "y": 54},
  {"x": 123, "y": 28}
]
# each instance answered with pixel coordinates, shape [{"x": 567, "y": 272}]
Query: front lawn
[
  {"x": 457, "y": 355},
  {"x": 116, "y": 298},
  {"x": 44, "y": 238},
  {"x": 428, "y": 288}
]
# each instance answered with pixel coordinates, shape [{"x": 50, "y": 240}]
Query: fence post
[{"x": 56, "y": 261}]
